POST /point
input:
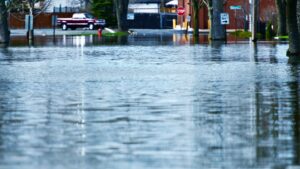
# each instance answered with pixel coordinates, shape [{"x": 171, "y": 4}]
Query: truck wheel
[
  {"x": 64, "y": 27},
  {"x": 91, "y": 26}
]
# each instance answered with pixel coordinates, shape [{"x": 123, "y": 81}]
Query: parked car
[{"x": 81, "y": 20}]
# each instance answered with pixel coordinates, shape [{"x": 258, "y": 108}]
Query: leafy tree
[{"x": 105, "y": 9}]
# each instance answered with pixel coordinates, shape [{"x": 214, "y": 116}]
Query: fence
[
  {"x": 43, "y": 20},
  {"x": 140, "y": 21},
  {"x": 152, "y": 21},
  {"x": 65, "y": 9}
]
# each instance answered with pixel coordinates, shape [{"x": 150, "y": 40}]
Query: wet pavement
[
  {"x": 84, "y": 31},
  {"x": 148, "y": 101},
  {"x": 50, "y": 32}
]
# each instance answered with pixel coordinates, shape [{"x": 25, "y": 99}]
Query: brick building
[{"x": 238, "y": 19}]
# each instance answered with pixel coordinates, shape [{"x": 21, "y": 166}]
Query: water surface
[{"x": 145, "y": 102}]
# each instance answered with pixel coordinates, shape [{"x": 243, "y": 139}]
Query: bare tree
[
  {"x": 24, "y": 6},
  {"x": 28, "y": 7}
]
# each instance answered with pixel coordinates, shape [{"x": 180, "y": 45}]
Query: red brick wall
[
  {"x": 17, "y": 21},
  {"x": 237, "y": 17},
  {"x": 267, "y": 13}
]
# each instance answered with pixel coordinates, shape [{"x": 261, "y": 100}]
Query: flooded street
[{"x": 145, "y": 102}]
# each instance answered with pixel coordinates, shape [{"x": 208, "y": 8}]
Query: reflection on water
[
  {"x": 123, "y": 103},
  {"x": 92, "y": 40},
  {"x": 141, "y": 39}
]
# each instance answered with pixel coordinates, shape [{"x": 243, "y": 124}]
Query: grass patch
[
  {"x": 105, "y": 34},
  {"x": 115, "y": 34},
  {"x": 85, "y": 34},
  {"x": 241, "y": 34},
  {"x": 245, "y": 35},
  {"x": 283, "y": 37}
]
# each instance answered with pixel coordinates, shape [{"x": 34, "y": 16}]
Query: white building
[
  {"x": 65, "y": 5},
  {"x": 146, "y": 6}
]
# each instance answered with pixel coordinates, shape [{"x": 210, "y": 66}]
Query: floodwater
[{"x": 145, "y": 102}]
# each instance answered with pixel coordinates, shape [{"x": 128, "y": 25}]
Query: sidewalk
[
  {"x": 190, "y": 30},
  {"x": 49, "y": 32}
]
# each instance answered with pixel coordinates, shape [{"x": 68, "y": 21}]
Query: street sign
[
  {"x": 180, "y": 11},
  {"x": 54, "y": 20},
  {"x": 188, "y": 18},
  {"x": 235, "y": 7},
  {"x": 224, "y": 18},
  {"x": 130, "y": 16}
]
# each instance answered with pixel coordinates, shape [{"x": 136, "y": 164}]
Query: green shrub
[
  {"x": 241, "y": 34},
  {"x": 269, "y": 31},
  {"x": 104, "y": 9}
]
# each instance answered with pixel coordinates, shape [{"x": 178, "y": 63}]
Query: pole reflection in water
[{"x": 294, "y": 87}]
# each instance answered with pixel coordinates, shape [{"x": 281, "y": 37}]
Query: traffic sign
[
  {"x": 54, "y": 20},
  {"x": 180, "y": 11},
  {"x": 235, "y": 7},
  {"x": 188, "y": 18},
  {"x": 224, "y": 18},
  {"x": 130, "y": 16}
]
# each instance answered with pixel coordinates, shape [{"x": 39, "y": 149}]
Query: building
[
  {"x": 150, "y": 14},
  {"x": 238, "y": 19},
  {"x": 65, "y": 5},
  {"x": 144, "y": 6},
  {"x": 149, "y": 6}
]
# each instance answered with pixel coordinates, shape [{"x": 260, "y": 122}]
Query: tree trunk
[
  {"x": 4, "y": 31},
  {"x": 217, "y": 30},
  {"x": 298, "y": 15},
  {"x": 121, "y": 11},
  {"x": 281, "y": 19},
  {"x": 195, "y": 5},
  {"x": 294, "y": 41}
]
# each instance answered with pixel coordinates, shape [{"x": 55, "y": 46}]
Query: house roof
[{"x": 149, "y": 1}]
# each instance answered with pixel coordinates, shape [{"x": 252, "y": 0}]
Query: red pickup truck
[{"x": 80, "y": 20}]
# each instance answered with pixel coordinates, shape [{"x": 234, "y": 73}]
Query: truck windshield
[{"x": 89, "y": 16}]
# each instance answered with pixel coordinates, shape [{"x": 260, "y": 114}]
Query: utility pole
[
  {"x": 162, "y": 13},
  {"x": 217, "y": 31},
  {"x": 30, "y": 33},
  {"x": 254, "y": 19}
]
